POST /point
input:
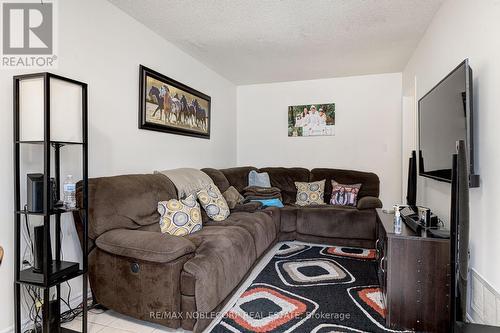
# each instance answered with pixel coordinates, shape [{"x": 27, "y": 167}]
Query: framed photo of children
[
  {"x": 311, "y": 120},
  {"x": 169, "y": 106}
]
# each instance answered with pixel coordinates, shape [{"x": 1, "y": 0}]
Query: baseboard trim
[{"x": 483, "y": 301}]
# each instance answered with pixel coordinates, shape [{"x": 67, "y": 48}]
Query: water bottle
[
  {"x": 397, "y": 220},
  {"x": 69, "y": 189}
]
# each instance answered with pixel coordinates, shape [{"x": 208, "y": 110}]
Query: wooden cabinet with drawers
[{"x": 414, "y": 274}]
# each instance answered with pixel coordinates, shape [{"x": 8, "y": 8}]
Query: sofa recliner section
[
  {"x": 285, "y": 178},
  {"x": 223, "y": 256},
  {"x": 137, "y": 288}
]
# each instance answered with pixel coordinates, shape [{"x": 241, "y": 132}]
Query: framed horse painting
[{"x": 169, "y": 106}]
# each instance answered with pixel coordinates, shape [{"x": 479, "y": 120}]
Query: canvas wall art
[
  {"x": 311, "y": 120},
  {"x": 170, "y": 106}
]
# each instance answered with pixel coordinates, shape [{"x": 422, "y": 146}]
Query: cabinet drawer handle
[{"x": 381, "y": 265}]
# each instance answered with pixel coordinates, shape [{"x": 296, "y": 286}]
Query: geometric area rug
[{"x": 310, "y": 288}]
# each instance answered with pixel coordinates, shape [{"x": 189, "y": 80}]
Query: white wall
[
  {"x": 102, "y": 46},
  {"x": 466, "y": 29},
  {"x": 367, "y": 127}
]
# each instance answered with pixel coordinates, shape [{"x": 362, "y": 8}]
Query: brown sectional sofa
[{"x": 175, "y": 281}]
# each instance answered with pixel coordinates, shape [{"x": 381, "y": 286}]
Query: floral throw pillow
[
  {"x": 180, "y": 217},
  {"x": 310, "y": 193},
  {"x": 344, "y": 195},
  {"x": 213, "y": 203}
]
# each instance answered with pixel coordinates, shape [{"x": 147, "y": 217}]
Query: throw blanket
[
  {"x": 187, "y": 180},
  {"x": 259, "y": 193}
]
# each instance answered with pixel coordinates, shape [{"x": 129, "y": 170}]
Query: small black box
[{"x": 35, "y": 193}]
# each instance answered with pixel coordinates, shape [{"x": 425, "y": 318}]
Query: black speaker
[
  {"x": 55, "y": 316},
  {"x": 38, "y": 235},
  {"x": 35, "y": 192},
  {"x": 411, "y": 191}
]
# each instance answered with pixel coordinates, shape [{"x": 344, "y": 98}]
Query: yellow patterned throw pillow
[
  {"x": 213, "y": 203},
  {"x": 310, "y": 193},
  {"x": 180, "y": 217}
]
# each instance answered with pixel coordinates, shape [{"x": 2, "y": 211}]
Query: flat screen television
[{"x": 445, "y": 116}]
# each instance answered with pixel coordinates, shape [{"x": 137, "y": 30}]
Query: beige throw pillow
[
  {"x": 180, "y": 217},
  {"x": 213, "y": 203},
  {"x": 310, "y": 193}
]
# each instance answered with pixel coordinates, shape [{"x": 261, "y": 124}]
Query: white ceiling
[{"x": 256, "y": 41}]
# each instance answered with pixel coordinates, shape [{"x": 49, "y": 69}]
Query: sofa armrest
[
  {"x": 145, "y": 245},
  {"x": 369, "y": 203}
]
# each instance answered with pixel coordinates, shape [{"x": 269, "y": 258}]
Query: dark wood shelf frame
[
  {"x": 50, "y": 212},
  {"x": 29, "y": 276},
  {"x": 50, "y": 277},
  {"x": 53, "y": 143}
]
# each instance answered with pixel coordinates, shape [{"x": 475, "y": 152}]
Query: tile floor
[{"x": 112, "y": 322}]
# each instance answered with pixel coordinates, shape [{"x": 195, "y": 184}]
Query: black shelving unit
[{"x": 51, "y": 276}]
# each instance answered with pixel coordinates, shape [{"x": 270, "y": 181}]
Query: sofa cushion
[
  {"x": 233, "y": 197},
  {"x": 218, "y": 178},
  {"x": 259, "y": 224},
  {"x": 144, "y": 245},
  {"x": 369, "y": 181},
  {"x": 180, "y": 217},
  {"x": 344, "y": 194},
  {"x": 310, "y": 193},
  {"x": 128, "y": 201},
  {"x": 285, "y": 178},
  {"x": 224, "y": 254},
  {"x": 289, "y": 218},
  {"x": 336, "y": 222},
  {"x": 238, "y": 177},
  {"x": 369, "y": 203},
  {"x": 213, "y": 203}
]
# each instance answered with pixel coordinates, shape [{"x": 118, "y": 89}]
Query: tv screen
[{"x": 444, "y": 118}]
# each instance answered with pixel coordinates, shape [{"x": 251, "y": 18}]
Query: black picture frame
[{"x": 195, "y": 125}]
